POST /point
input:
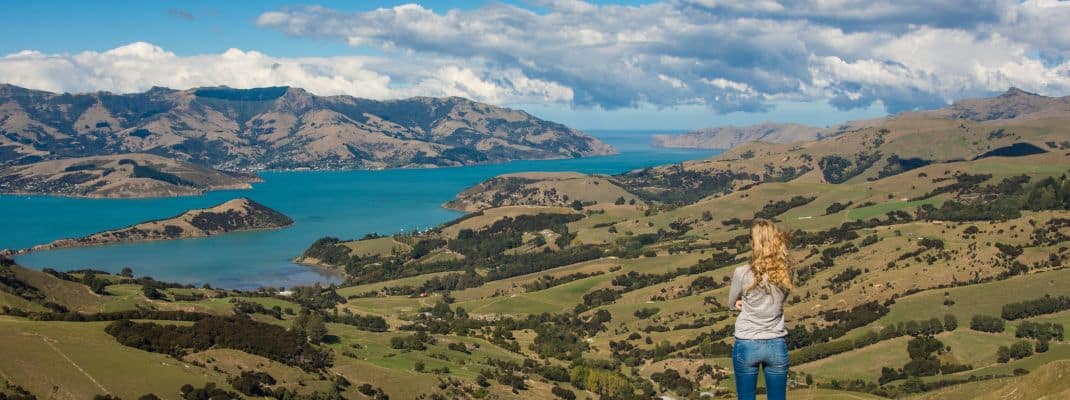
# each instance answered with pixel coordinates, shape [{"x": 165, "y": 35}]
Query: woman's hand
[{"x": 739, "y": 305}]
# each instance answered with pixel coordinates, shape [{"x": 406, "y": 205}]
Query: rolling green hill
[{"x": 930, "y": 255}]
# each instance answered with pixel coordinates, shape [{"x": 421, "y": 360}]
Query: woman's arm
[{"x": 736, "y": 289}]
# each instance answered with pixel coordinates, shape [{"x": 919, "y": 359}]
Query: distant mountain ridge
[
  {"x": 1012, "y": 104},
  {"x": 119, "y": 176},
  {"x": 726, "y": 137},
  {"x": 277, "y": 128}
]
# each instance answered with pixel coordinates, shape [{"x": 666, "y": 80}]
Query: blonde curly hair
[{"x": 770, "y": 261}]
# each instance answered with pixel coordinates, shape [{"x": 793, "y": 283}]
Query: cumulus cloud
[
  {"x": 722, "y": 55},
  {"x": 140, "y": 66},
  {"x": 730, "y": 55}
]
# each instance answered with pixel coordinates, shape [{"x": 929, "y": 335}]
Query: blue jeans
[{"x": 772, "y": 356}]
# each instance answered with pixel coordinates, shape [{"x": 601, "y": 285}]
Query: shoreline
[
  {"x": 202, "y": 192},
  {"x": 259, "y": 179},
  {"x": 46, "y": 246}
]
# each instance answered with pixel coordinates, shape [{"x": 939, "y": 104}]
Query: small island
[{"x": 236, "y": 215}]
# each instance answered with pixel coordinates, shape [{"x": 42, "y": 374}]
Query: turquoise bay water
[{"x": 345, "y": 204}]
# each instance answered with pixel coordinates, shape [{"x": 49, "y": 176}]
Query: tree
[
  {"x": 1042, "y": 346},
  {"x": 419, "y": 366},
  {"x": 950, "y": 322},
  {"x": 1021, "y": 349},
  {"x": 300, "y": 324},
  {"x": 563, "y": 393},
  {"x": 577, "y": 205},
  {"x": 620, "y": 201},
  {"x": 127, "y": 273},
  {"x": 315, "y": 328},
  {"x": 1003, "y": 354},
  {"x": 151, "y": 293},
  {"x": 914, "y": 385},
  {"x": 987, "y": 323}
]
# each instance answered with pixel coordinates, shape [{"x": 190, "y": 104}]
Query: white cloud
[
  {"x": 732, "y": 55},
  {"x": 139, "y": 66},
  {"x": 723, "y": 55}
]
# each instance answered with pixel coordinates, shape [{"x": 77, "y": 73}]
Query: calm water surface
[{"x": 345, "y": 204}]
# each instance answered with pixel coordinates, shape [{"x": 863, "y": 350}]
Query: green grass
[
  {"x": 884, "y": 208},
  {"x": 986, "y": 298},
  {"x": 82, "y": 352},
  {"x": 864, "y": 363},
  {"x": 1006, "y": 167},
  {"x": 392, "y": 369},
  {"x": 556, "y": 299},
  {"x": 384, "y": 247}
]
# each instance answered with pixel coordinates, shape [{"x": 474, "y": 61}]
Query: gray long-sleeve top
[{"x": 762, "y": 316}]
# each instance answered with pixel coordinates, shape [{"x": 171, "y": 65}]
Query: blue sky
[
  {"x": 676, "y": 64},
  {"x": 183, "y": 27}
]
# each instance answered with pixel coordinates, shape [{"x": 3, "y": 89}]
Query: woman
[{"x": 758, "y": 292}]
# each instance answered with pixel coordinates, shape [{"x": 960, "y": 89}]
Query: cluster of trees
[
  {"x": 371, "y": 323},
  {"x": 208, "y": 392},
  {"x": 895, "y": 165},
  {"x": 1002, "y": 201},
  {"x": 671, "y": 380},
  {"x": 684, "y": 186},
  {"x": 523, "y": 264},
  {"x": 1032, "y": 308},
  {"x": 1042, "y": 331},
  {"x": 10, "y": 283},
  {"x": 158, "y": 315},
  {"x": 417, "y": 341},
  {"x": 511, "y": 373},
  {"x": 841, "y": 321},
  {"x": 608, "y": 382},
  {"x": 249, "y": 307},
  {"x": 316, "y": 297},
  {"x": 310, "y": 326},
  {"x": 837, "y": 207},
  {"x": 328, "y": 250},
  {"x": 827, "y": 260},
  {"x": 375, "y": 393},
  {"x": 548, "y": 281},
  {"x": 837, "y": 169},
  {"x": 597, "y": 298},
  {"x": 987, "y": 323},
  {"x": 964, "y": 183},
  {"x": 507, "y": 233},
  {"x": 928, "y": 327},
  {"x": 97, "y": 285},
  {"x": 646, "y": 312},
  {"x": 566, "y": 341},
  {"x": 635, "y": 280},
  {"x": 253, "y": 383},
  {"x": 840, "y": 281},
  {"x": 923, "y": 351},
  {"x": 1018, "y": 350},
  {"x": 705, "y": 345},
  {"x": 782, "y": 206},
  {"x": 452, "y": 281},
  {"x": 258, "y": 338}
]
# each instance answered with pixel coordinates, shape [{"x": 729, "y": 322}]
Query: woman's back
[{"x": 762, "y": 316}]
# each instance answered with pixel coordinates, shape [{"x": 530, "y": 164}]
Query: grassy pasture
[{"x": 78, "y": 360}]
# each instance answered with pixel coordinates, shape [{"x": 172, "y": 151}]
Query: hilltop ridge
[
  {"x": 277, "y": 128},
  {"x": 119, "y": 176}
]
